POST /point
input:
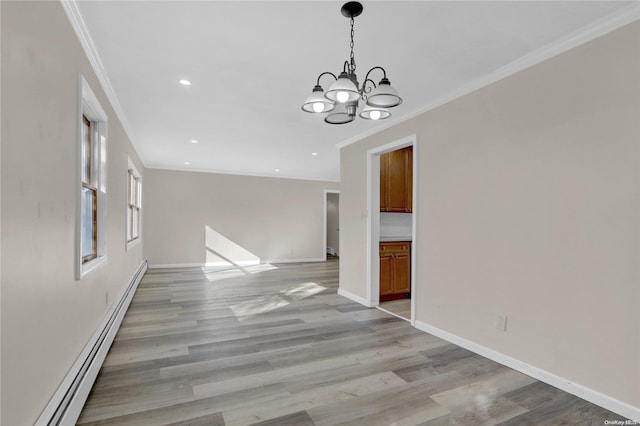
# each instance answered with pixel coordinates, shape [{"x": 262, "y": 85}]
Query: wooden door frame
[{"x": 373, "y": 220}]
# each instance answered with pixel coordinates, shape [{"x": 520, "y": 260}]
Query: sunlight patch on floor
[
  {"x": 218, "y": 273},
  {"x": 270, "y": 303},
  {"x": 303, "y": 291},
  {"x": 258, "y": 306}
]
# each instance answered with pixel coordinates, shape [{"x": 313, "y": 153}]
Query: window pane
[
  {"x": 131, "y": 187},
  {"x": 136, "y": 216},
  {"x": 129, "y": 216},
  {"x": 102, "y": 173},
  {"x": 138, "y": 193},
  {"x": 86, "y": 150},
  {"x": 88, "y": 234}
]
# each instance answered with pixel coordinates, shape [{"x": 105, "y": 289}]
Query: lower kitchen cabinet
[{"x": 395, "y": 270}]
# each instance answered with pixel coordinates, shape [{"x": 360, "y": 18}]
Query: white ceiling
[{"x": 252, "y": 65}]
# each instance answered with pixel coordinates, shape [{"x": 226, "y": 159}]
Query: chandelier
[{"x": 342, "y": 99}]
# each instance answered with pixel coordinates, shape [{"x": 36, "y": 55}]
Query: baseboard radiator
[{"x": 66, "y": 404}]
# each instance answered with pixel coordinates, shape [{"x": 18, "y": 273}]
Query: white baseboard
[
  {"x": 355, "y": 298},
  {"x": 227, "y": 264},
  {"x": 612, "y": 404},
  {"x": 393, "y": 314},
  {"x": 307, "y": 260},
  {"x": 66, "y": 403},
  {"x": 176, "y": 265}
]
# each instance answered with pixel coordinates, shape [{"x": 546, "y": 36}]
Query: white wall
[
  {"x": 47, "y": 316},
  {"x": 199, "y": 218},
  {"x": 396, "y": 224},
  {"x": 529, "y": 206}
]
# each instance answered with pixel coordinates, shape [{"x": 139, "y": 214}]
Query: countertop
[{"x": 395, "y": 238}]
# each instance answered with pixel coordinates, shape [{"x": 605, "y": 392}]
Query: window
[
  {"x": 134, "y": 203},
  {"x": 89, "y": 197},
  {"x": 91, "y": 246}
]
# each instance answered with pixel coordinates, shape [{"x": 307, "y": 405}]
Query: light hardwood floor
[
  {"x": 275, "y": 345},
  {"x": 401, "y": 308}
]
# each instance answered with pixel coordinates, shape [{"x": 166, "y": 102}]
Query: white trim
[
  {"x": 594, "y": 30},
  {"x": 566, "y": 385},
  {"x": 393, "y": 314},
  {"x": 306, "y": 260},
  {"x": 373, "y": 229},
  {"x": 176, "y": 265},
  {"x": 239, "y": 264},
  {"x": 373, "y": 220},
  {"x": 80, "y": 28},
  {"x": 92, "y": 265},
  {"x": 130, "y": 244},
  {"x": 414, "y": 230},
  {"x": 324, "y": 225},
  {"x": 226, "y": 172},
  {"x": 355, "y": 298},
  {"x": 89, "y": 105},
  {"x": 78, "y": 382}
]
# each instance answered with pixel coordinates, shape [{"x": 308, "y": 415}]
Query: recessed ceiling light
[
  {"x": 194, "y": 141},
  {"x": 186, "y": 163},
  {"x": 185, "y": 82},
  {"x": 277, "y": 170},
  {"x": 314, "y": 153}
]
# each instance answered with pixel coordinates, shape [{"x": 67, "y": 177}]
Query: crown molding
[
  {"x": 581, "y": 36},
  {"x": 82, "y": 32},
  {"x": 247, "y": 174}
]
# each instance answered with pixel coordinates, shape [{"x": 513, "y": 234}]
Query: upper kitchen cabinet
[{"x": 396, "y": 181}]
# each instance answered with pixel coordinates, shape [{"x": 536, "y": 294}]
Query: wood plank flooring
[
  {"x": 400, "y": 307},
  {"x": 275, "y": 345}
]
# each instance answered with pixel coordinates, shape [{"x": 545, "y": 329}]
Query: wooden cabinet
[
  {"x": 396, "y": 181},
  {"x": 395, "y": 270}
]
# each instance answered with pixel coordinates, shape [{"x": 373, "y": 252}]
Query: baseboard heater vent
[{"x": 66, "y": 404}]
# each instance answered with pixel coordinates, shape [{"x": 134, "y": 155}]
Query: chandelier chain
[{"x": 352, "y": 57}]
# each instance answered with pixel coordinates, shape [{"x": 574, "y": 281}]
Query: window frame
[
  {"x": 134, "y": 204},
  {"x": 88, "y": 182},
  {"x": 90, "y": 109}
]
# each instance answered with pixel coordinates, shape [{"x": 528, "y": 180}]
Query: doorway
[
  {"x": 407, "y": 310},
  {"x": 331, "y": 224}
]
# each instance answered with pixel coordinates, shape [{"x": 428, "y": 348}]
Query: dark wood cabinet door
[
  {"x": 395, "y": 270},
  {"x": 396, "y": 181},
  {"x": 386, "y": 274},
  {"x": 402, "y": 273}
]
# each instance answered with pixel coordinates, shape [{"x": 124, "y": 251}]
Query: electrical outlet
[{"x": 501, "y": 322}]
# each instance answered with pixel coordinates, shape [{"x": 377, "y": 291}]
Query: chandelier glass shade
[
  {"x": 374, "y": 113},
  {"x": 339, "y": 115},
  {"x": 342, "y": 98},
  {"x": 316, "y": 102},
  {"x": 343, "y": 90}
]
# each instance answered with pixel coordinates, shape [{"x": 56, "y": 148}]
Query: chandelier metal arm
[
  {"x": 349, "y": 68},
  {"x": 384, "y": 73},
  {"x": 324, "y": 73},
  {"x": 367, "y": 89}
]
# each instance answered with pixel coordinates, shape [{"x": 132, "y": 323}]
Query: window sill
[
  {"x": 92, "y": 265},
  {"x": 133, "y": 243}
]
